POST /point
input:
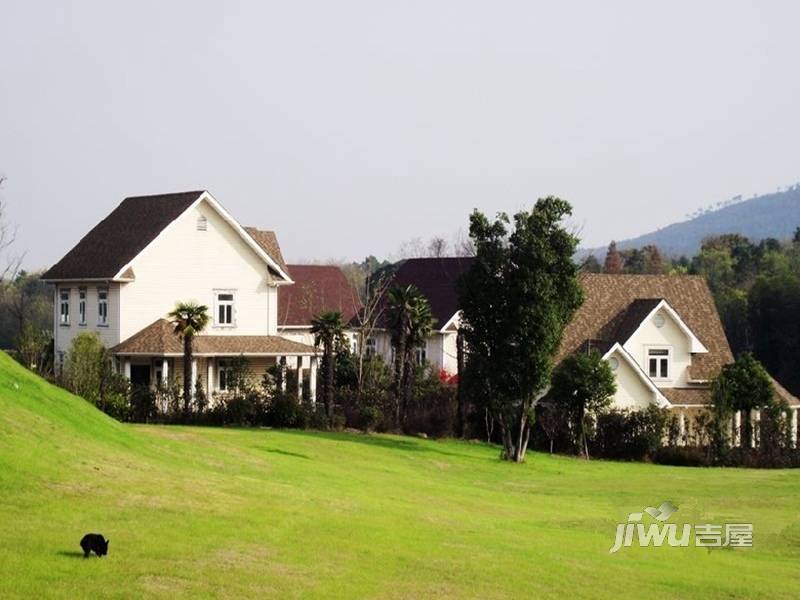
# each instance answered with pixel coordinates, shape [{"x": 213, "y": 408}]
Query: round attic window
[
  {"x": 659, "y": 320},
  {"x": 613, "y": 362}
]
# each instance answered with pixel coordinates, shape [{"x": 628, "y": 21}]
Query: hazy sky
[{"x": 351, "y": 126}]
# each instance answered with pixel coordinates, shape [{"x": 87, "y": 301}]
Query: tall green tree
[
  {"x": 516, "y": 299},
  {"x": 189, "y": 319},
  {"x": 410, "y": 322},
  {"x": 328, "y": 331},
  {"x": 583, "y": 383},
  {"x": 742, "y": 386}
]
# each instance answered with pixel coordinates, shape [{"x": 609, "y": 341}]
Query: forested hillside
[{"x": 769, "y": 216}]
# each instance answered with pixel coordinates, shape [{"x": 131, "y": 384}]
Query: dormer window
[
  {"x": 202, "y": 224},
  {"x": 658, "y": 360}
]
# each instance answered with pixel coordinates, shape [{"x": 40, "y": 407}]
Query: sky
[{"x": 351, "y": 127}]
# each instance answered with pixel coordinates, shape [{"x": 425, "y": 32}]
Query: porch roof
[{"x": 159, "y": 339}]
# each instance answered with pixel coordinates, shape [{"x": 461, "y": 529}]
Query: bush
[{"x": 629, "y": 435}]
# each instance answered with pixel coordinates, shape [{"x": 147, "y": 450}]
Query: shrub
[{"x": 630, "y": 435}]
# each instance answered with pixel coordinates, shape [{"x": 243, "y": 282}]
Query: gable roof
[
  {"x": 269, "y": 243},
  {"x": 436, "y": 278},
  {"x": 116, "y": 240},
  {"x": 316, "y": 288},
  {"x": 613, "y": 302}
]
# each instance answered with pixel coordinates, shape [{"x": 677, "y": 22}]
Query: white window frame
[
  {"x": 219, "y": 304},
  {"x": 659, "y": 359},
  {"x": 371, "y": 346},
  {"x": 224, "y": 369},
  {"x": 102, "y": 307},
  {"x": 63, "y": 306},
  {"x": 421, "y": 355},
  {"x": 82, "y": 307}
]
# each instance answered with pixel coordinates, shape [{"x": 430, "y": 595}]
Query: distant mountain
[{"x": 772, "y": 215}]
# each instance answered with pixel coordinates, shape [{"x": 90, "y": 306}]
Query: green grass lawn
[{"x": 230, "y": 513}]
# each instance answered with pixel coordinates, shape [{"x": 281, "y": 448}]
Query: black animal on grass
[{"x": 94, "y": 542}]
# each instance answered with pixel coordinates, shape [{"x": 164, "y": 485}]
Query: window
[
  {"x": 225, "y": 375},
  {"x": 63, "y": 307},
  {"x": 658, "y": 363},
  {"x": 224, "y": 310},
  {"x": 82, "y": 307},
  {"x": 371, "y": 347},
  {"x": 421, "y": 355},
  {"x": 102, "y": 307}
]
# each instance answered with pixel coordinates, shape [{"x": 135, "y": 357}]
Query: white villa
[{"x": 123, "y": 278}]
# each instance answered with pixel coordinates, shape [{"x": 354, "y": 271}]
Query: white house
[
  {"x": 436, "y": 278},
  {"x": 662, "y": 336},
  {"x": 123, "y": 278}
]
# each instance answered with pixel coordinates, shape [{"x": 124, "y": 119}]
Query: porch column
[
  {"x": 794, "y": 427},
  {"x": 165, "y": 372},
  {"x": 282, "y": 367},
  {"x": 127, "y": 368},
  {"x": 194, "y": 376},
  {"x": 737, "y": 428},
  {"x": 682, "y": 428},
  {"x": 210, "y": 378},
  {"x": 300, "y": 377},
  {"x": 312, "y": 380},
  {"x": 755, "y": 419}
]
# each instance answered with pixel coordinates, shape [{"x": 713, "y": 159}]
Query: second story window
[
  {"x": 63, "y": 307},
  {"x": 225, "y": 309},
  {"x": 81, "y": 307},
  {"x": 102, "y": 307},
  {"x": 658, "y": 363}
]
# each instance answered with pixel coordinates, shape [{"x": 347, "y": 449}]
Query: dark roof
[
  {"x": 613, "y": 301},
  {"x": 159, "y": 339},
  {"x": 436, "y": 278},
  {"x": 118, "y": 238},
  {"x": 688, "y": 396},
  {"x": 316, "y": 288},
  {"x": 269, "y": 244},
  {"x": 636, "y": 313}
]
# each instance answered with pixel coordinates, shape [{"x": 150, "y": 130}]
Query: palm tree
[
  {"x": 189, "y": 319},
  {"x": 328, "y": 330},
  {"x": 410, "y": 322}
]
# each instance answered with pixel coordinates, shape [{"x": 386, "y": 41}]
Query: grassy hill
[
  {"x": 231, "y": 513},
  {"x": 772, "y": 215}
]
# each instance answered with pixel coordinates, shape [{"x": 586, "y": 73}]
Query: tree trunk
[
  {"x": 187, "y": 373},
  {"x": 461, "y": 417},
  {"x": 329, "y": 378}
]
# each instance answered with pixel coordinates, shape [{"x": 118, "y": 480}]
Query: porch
[{"x": 155, "y": 355}]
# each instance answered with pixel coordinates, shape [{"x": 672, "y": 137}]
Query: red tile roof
[{"x": 317, "y": 288}]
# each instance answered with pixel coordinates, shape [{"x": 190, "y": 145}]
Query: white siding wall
[
  {"x": 186, "y": 264},
  {"x": 669, "y": 335},
  {"x": 632, "y": 393},
  {"x": 109, "y": 334},
  {"x": 440, "y": 350}
]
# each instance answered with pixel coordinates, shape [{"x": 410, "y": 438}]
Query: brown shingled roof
[
  {"x": 159, "y": 339},
  {"x": 118, "y": 238},
  {"x": 688, "y": 396},
  {"x": 316, "y": 288},
  {"x": 269, "y": 244},
  {"x": 609, "y": 298}
]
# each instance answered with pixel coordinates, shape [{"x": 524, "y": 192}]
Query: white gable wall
[
  {"x": 669, "y": 335},
  {"x": 632, "y": 392},
  {"x": 184, "y": 264}
]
